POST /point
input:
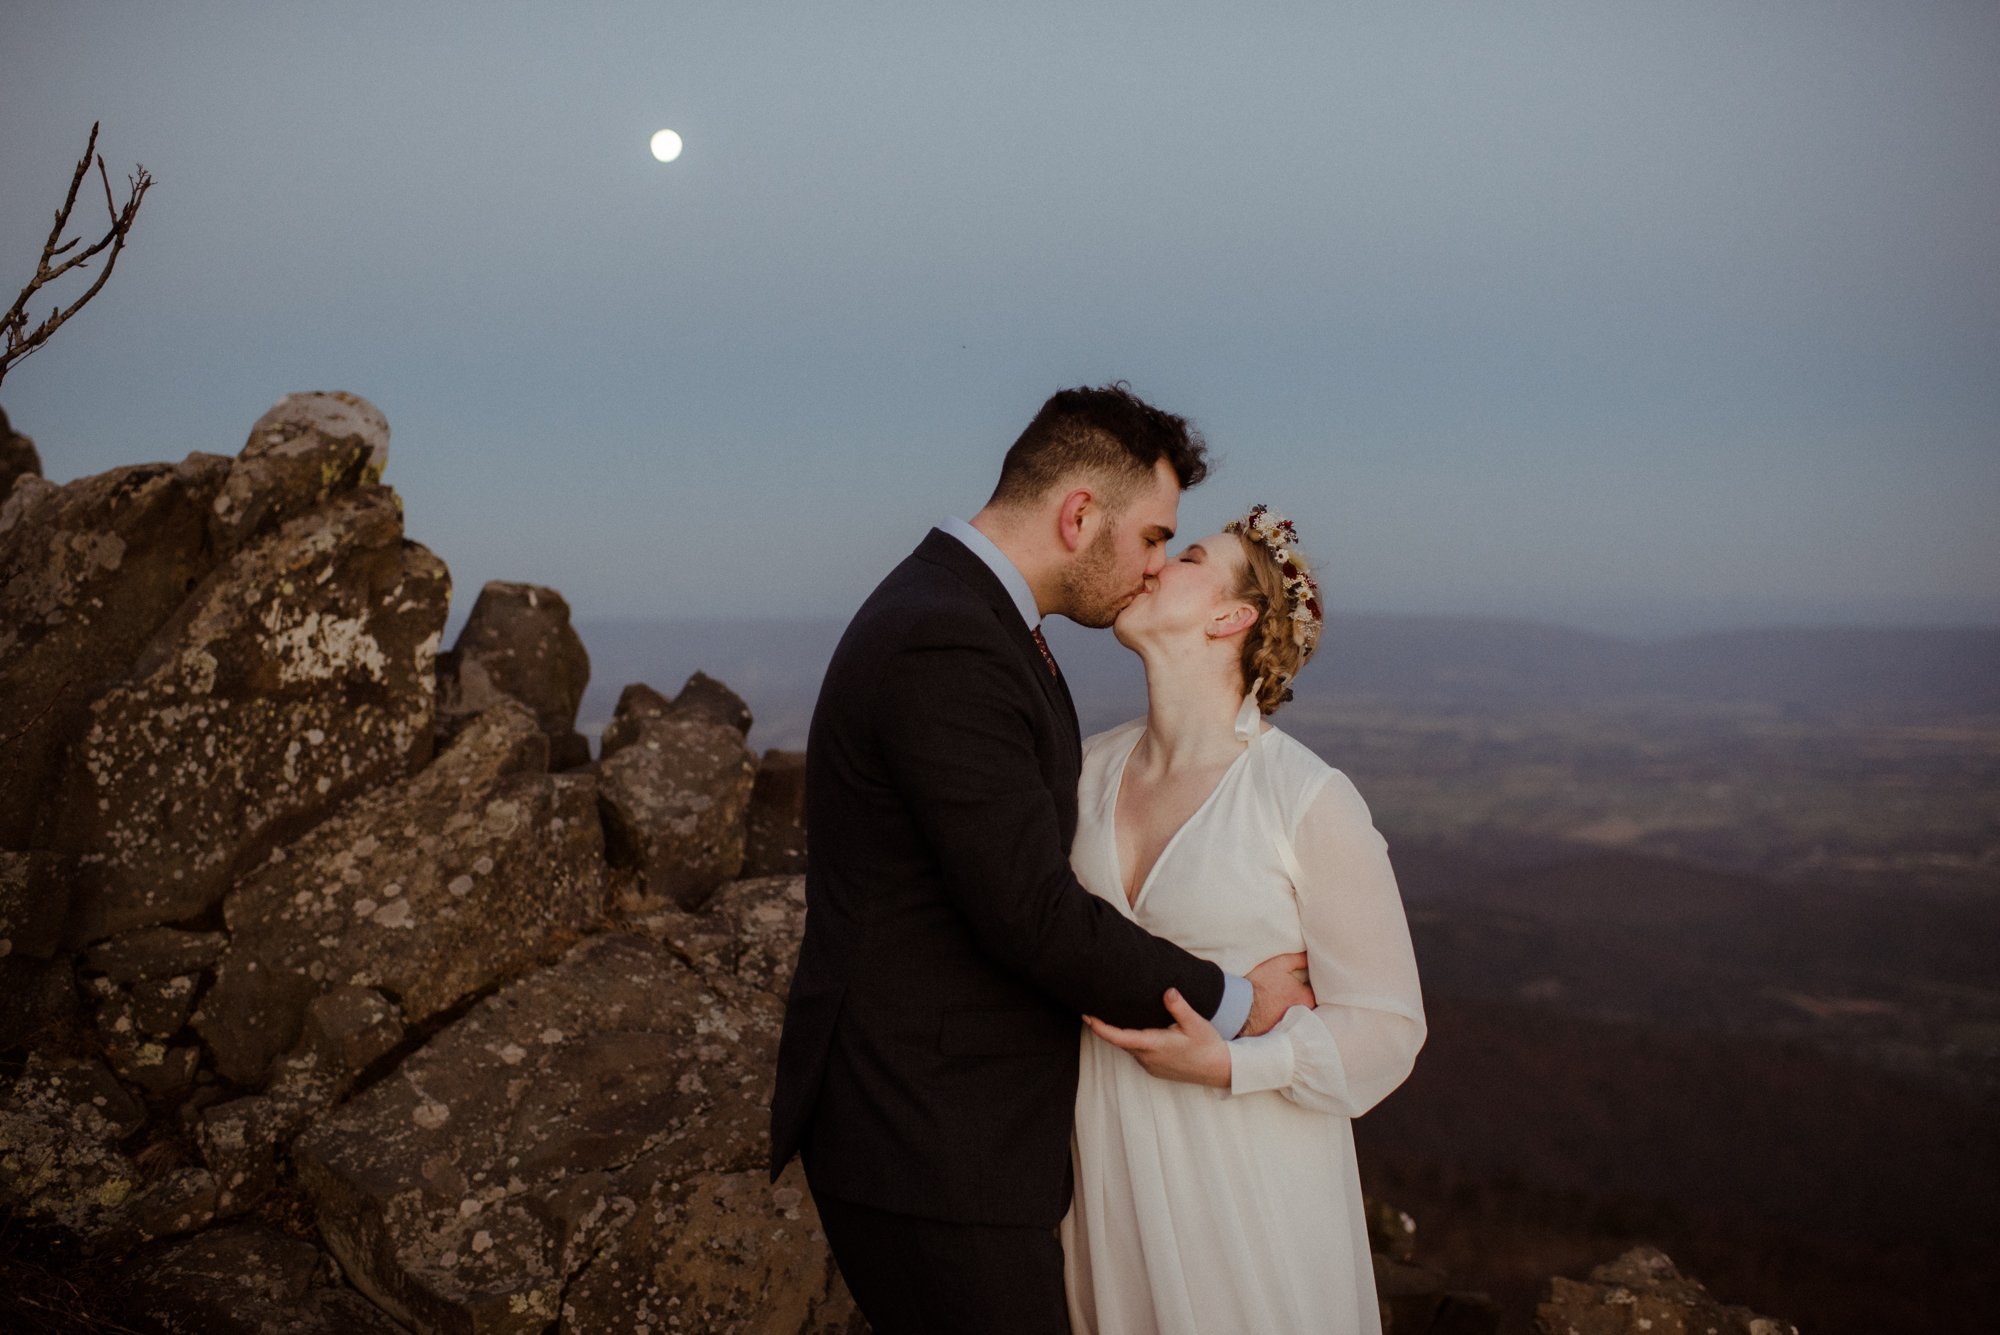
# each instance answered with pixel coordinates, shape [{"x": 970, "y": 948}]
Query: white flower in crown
[{"x": 1280, "y": 537}]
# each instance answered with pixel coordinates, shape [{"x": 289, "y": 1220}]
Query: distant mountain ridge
[{"x": 1911, "y": 674}]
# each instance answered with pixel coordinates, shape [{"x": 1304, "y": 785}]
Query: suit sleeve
[{"x": 959, "y": 746}]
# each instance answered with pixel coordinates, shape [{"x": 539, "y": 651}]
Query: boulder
[
  {"x": 244, "y": 1279},
  {"x": 1643, "y": 1291},
  {"x": 306, "y": 450},
  {"x": 88, "y": 573},
  {"x": 297, "y": 675},
  {"x": 715, "y": 1252},
  {"x": 577, "y": 1130},
  {"x": 636, "y": 703},
  {"x": 750, "y": 931},
  {"x": 430, "y": 890},
  {"x": 518, "y": 642},
  {"x": 674, "y": 801},
  {"x": 17, "y": 457},
  {"x": 62, "y": 1123},
  {"x": 775, "y": 840},
  {"x": 161, "y": 1007},
  {"x": 244, "y": 1141},
  {"x": 702, "y": 696}
]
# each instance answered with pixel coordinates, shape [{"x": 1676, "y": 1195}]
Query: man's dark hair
[{"x": 1110, "y": 432}]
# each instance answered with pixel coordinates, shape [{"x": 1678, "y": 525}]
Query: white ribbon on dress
[{"x": 1249, "y": 719}]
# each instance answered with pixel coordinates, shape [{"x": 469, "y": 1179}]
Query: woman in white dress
[{"x": 1216, "y": 1185}]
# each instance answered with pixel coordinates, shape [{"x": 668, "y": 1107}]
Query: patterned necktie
[{"x": 1043, "y": 645}]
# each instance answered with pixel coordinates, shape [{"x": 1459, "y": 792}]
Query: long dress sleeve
[{"x": 1359, "y": 1042}]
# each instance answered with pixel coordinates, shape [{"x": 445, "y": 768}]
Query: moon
[{"x": 666, "y": 145}]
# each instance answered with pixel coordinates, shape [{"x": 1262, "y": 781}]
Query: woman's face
[{"x": 1192, "y": 592}]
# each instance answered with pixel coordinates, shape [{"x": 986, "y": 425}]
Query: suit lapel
[{"x": 943, "y": 549}]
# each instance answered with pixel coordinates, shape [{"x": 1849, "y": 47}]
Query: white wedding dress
[{"x": 1197, "y": 1210}]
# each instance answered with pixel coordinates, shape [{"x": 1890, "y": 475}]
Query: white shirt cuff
[{"x": 1260, "y": 1063}]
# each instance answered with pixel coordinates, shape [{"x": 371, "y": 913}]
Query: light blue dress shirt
[{"x": 1236, "y": 991}]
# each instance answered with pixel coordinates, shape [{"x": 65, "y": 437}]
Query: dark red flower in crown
[{"x": 1278, "y": 536}]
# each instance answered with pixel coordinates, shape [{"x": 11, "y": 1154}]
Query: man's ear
[
  {"x": 1079, "y": 510},
  {"x": 1228, "y": 622}
]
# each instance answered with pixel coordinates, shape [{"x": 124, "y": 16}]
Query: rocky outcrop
[
  {"x": 518, "y": 643},
  {"x": 532, "y": 1162},
  {"x": 93, "y": 569},
  {"x": 1643, "y": 1291},
  {"x": 88, "y": 573},
  {"x": 306, "y": 450},
  {"x": 674, "y": 792},
  {"x": 430, "y": 890},
  {"x": 298, "y": 674},
  {"x": 267, "y": 946},
  {"x": 18, "y": 457}
]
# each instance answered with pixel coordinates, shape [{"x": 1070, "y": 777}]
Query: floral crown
[{"x": 1278, "y": 536}]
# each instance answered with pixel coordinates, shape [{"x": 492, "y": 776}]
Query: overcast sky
[{"x": 1638, "y": 316}]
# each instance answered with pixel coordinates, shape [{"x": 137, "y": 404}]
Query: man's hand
[
  {"x": 1191, "y": 1051},
  {"x": 1277, "y": 985}
]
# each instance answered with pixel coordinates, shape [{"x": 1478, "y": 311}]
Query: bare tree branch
[{"x": 21, "y": 340}]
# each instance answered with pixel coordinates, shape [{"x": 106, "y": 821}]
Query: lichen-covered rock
[
  {"x": 750, "y": 931},
  {"x": 244, "y": 1279},
  {"x": 702, "y": 696},
  {"x": 18, "y": 457},
  {"x": 429, "y": 890},
  {"x": 62, "y": 1122},
  {"x": 775, "y": 839},
  {"x": 466, "y": 1190},
  {"x": 88, "y": 573},
  {"x": 244, "y": 1141},
  {"x": 34, "y": 898},
  {"x": 1643, "y": 1291},
  {"x": 718, "y": 1252},
  {"x": 674, "y": 801},
  {"x": 161, "y": 1007},
  {"x": 297, "y": 675},
  {"x": 518, "y": 642},
  {"x": 307, "y": 449},
  {"x": 636, "y": 703}
]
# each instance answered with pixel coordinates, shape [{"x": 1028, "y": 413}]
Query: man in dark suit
[{"x": 928, "y": 1066}]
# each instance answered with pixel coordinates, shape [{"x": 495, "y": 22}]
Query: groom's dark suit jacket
[{"x": 929, "y": 1058}]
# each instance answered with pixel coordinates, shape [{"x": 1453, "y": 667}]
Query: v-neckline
[{"x": 1117, "y": 790}]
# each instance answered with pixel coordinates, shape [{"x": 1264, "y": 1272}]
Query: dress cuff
[
  {"x": 1260, "y": 1063},
  {"x": 1237, "y": 994}
]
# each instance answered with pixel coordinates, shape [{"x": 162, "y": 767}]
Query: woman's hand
[{"x": 1192, "y": 1051}]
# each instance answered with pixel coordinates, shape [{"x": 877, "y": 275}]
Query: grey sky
[{"x": 1632, "y": 315}]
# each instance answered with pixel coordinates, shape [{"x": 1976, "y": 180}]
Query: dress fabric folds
[{"x": 1199, "y": 1210}]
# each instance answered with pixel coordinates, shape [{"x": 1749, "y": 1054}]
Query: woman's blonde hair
[{"x": 1271, "y": 647}]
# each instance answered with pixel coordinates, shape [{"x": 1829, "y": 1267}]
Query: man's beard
[{"x": 1092, "y": 594}]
